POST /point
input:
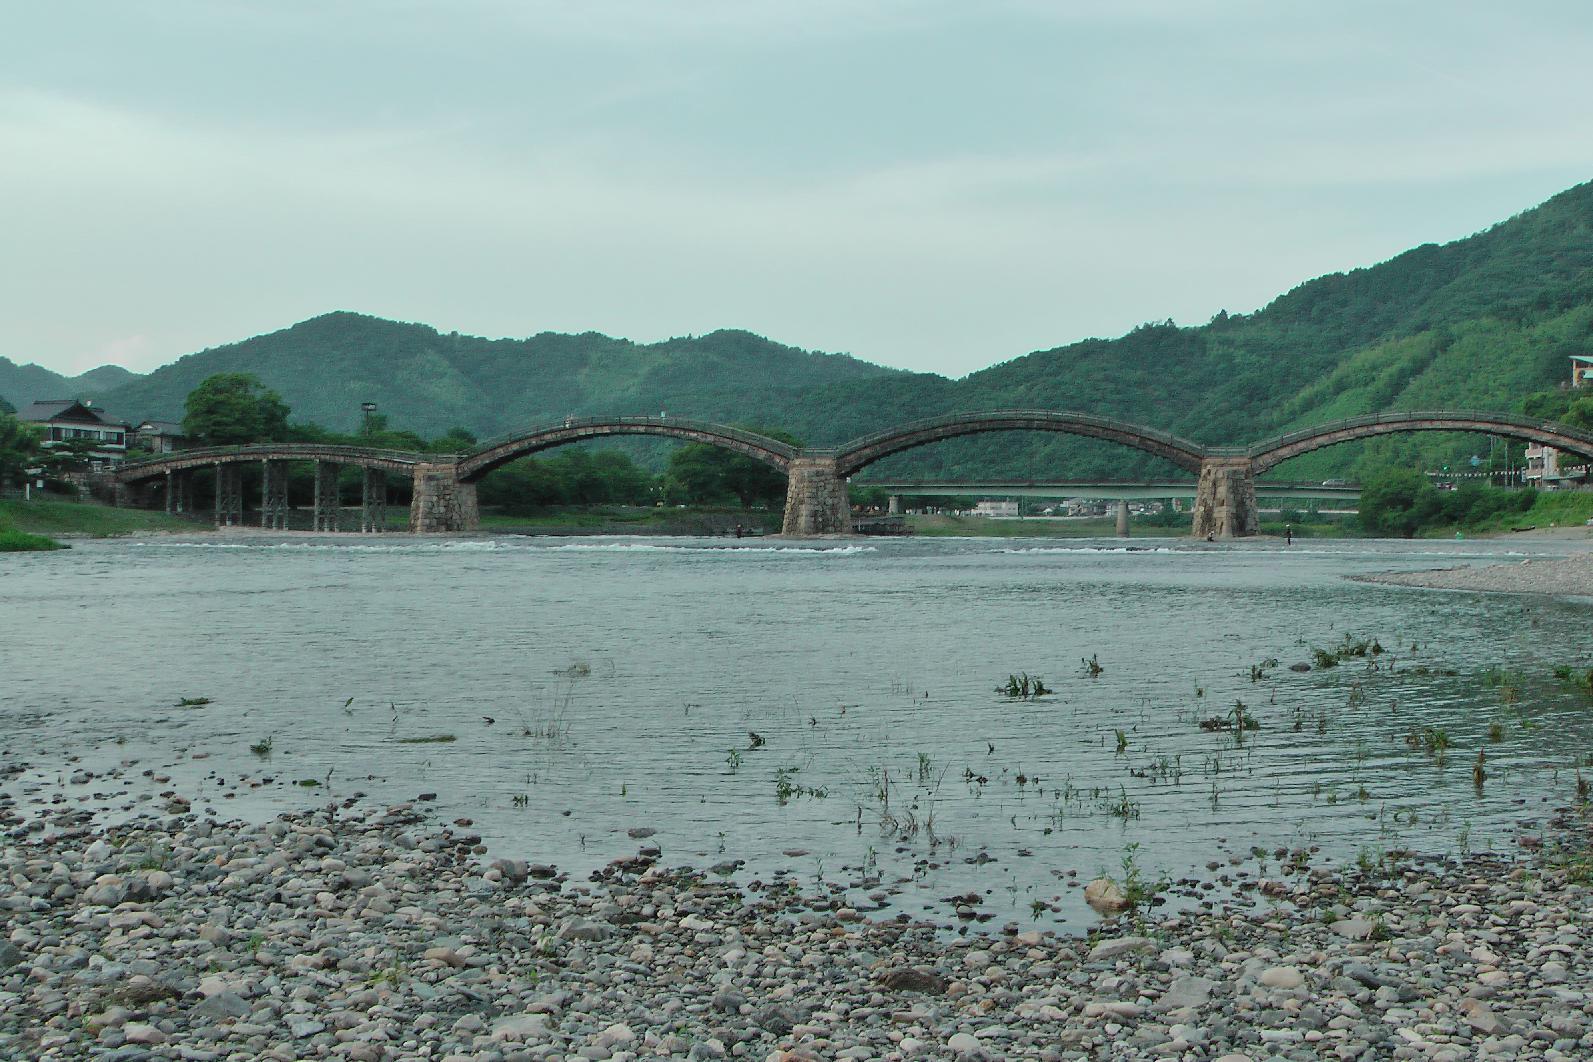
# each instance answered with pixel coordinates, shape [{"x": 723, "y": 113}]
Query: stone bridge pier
[
  {"x": 1225, "y": 499},
  {"x": 816, "y": 501},
  {"x": 441, "y": 502}
]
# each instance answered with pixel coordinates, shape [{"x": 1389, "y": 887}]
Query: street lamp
[{"x": 368, "y": 408}]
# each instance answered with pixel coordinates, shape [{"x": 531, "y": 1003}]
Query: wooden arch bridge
[{"x": 444, "y": 495}]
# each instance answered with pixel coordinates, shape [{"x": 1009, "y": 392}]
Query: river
[{"x": 824, "y": 710}]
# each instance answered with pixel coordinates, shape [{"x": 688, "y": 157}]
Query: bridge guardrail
[
  {"x": 285, "y": 451},
  {"x": 949, "y": 419},
  {"x": 1373, "y": 419},
  {"x": 751, "y": 438}
]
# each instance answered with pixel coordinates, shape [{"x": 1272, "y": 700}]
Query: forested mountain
[
  {"x": 429, "y": 381},
  {"x": 1476, "y": 323},
  {"x": 22, "y": 384}
]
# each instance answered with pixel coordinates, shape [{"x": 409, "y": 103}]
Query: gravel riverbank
[
  {"x": 363, "y": 932},
  {"x": 1571, "y": 576}
]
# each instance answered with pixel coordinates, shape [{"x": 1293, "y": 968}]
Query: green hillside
[
  {"x": 22, "y": 384},
  {"x": 1477, "y": 323},
  {"x": 429, "y": 381}
]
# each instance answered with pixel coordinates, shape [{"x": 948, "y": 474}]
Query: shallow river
[{"x": 828, "y": 711}]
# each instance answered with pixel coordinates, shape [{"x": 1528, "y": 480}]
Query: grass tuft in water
[{"x": 1024, "y": 688}]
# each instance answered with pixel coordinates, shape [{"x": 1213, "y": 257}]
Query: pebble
[{"x": 377, "y": 934}]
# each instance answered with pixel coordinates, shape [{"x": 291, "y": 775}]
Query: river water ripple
[{"x": 834, "y": 700}]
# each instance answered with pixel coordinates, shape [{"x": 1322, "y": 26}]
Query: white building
[
  {"x": 66, "y": 419},
  {"x": 157, "y": 436},
  {"x": 988, "y": 507},
  {"x": 1543, "y": 467},
  {"x": 1543, "y": 462}
]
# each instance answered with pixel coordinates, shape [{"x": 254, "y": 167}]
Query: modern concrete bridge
[
  {"x": 1103, "y": 490},
  {"x": 444, "y": 496}
]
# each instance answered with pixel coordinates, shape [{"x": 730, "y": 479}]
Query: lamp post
[{"x": 368, "y": 408}]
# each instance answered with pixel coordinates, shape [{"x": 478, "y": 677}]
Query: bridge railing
[
  {"x": 1510, "y": 420},
  {"x": 751, "y": 438},
  {"x": 285, "y": 452},
  {"x": 1059, "y": 416}
]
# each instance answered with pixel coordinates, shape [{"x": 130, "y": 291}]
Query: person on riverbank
[{"x": 1288, "y": 534}]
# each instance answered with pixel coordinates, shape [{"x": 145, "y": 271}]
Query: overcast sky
[{"x": 932, "y": 185}]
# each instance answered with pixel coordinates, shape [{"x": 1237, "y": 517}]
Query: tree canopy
[
  {"x": 1400, "y": 502},
  {"x": 19, "y": 447},
  {"x": 700, "y": 473},
  {"x": 230, "y": 408}
]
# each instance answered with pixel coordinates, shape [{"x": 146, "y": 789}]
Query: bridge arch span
[
  {"x": 1270, "y": 452},
  {"x": 860, "y": 453},
  {"x": 772, "y": 452},
  {"x": 211, "y": 456}
]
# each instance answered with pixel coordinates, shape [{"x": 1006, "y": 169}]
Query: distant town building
[
  {"x": 1543, "y": 467},
  {"x": 1543, "y": 462},
  {"x": 1582, "y": 370},
  {"x": 156, "y": 436},
  {"x": 995, "y": 508},
  {"x": 62, "y": 420}
]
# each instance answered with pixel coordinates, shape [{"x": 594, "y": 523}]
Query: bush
[{"x": 1402, "y": 502}]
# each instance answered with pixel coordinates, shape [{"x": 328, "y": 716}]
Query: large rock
[
  {"x": 964, "y": 1044},
  {"x": 577, "y": 928},
  {"x": 1111, "y": 949},
  {"x": 512, "y": 870},
  {"x": 1187, "y": 991},
  {"x": 1480, "y": 1016},
  {"x": 1106, "y": 897},
  {"x": 912, "y": 979},
  {"x": 222, "y": 1006},
  {"x": 1356, "y": 927},
  {"x": 519, "y": 1027},
  {"x": 1282, "y": 977}
]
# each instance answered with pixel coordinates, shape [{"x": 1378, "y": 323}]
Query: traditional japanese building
[{"x": 63, "y": 420}]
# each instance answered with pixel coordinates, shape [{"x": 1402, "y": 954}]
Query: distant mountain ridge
[
  {"x": 22, "y": 384},
  {"x": 429, "y": 381},
  {"x": 1476, "y": 323}
]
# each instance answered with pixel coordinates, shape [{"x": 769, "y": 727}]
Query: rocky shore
[
  {"x": 362, "y": 932},
  {"x": 1571, "y": 576}
]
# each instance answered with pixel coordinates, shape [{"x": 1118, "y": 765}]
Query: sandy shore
[
  {"x": 1563, "y": 576},
  {"x": 368, "y": 932}
]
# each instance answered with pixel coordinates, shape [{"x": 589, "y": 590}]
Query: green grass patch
[
  {"x": 13, "y": 541},
  {"x": 85, "y": 518},
  {"x": 1326, "y": 527},
  {"x": 1552, "y": 508}
]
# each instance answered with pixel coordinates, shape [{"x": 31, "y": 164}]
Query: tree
[
  {"x": 234, "y": 407},
  {"x": 700, "y": 472},
  {"x": 455, "y": 440},
  {"x": 1394, "y": 501},
  {"x": 1580, "y": 413},
  {"x": 19, "y": 446},
  {"x": 71, "y": 455}
]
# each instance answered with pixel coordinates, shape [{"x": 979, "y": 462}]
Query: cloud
[{"x": 934, "y": 185}]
